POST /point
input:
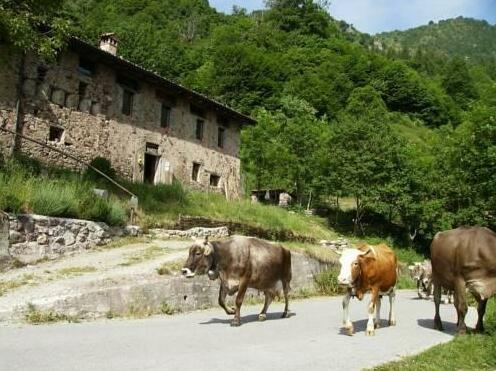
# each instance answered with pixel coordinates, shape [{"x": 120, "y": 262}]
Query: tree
[
  {"x": 33, "y": 25},
  {"x": 458, "y": 83},
  {"x": 363, "y": 152},
  {"x": 284, "y": 149}
]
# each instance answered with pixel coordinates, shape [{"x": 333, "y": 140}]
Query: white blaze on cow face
[{"x": 348, "y": 258}]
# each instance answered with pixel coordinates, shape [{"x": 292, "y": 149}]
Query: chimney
[{"x": 109, "y": 43}]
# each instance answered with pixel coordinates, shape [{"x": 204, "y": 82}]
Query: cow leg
[
  {"x": 392, "y": 309},
  {"x": 377, "y": 321},
  {"x": 348, "y": 325},
  {"x": 222, "y": 299},
  {"x": 243, "y": 285},
  {"x": 269, "y": 296},
  {"x": 481, "y": 310},
  {"x": 438, "y": 325},
  {"x": 285, "y": 289},
  {"x": 374, "y": 297},
  {"x": 419, "y": 290},
  {"x": 461, "y": 305}
]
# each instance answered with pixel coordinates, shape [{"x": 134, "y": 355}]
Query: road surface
[{"x": 310, "y": 340}]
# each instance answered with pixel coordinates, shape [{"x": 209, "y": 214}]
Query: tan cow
[
  {"x": 464, "y": 258},
  {"x": 240, "y": 263},
  {"x": 368, "y": 268}
]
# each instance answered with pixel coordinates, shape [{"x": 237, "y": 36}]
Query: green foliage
[
  {"x": 33, "y": 25},
  {"x": 469, "y": 352},
  {"x": 101, "y": 164},
  {"x": 22, "y": 189},
  {"x": 327, "y": 282}
]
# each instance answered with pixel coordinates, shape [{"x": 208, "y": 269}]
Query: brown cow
[
  {"x": 241, "y": 263},
  {"x": 368, "y": 268},
  {"x": 464, "y": 258}
]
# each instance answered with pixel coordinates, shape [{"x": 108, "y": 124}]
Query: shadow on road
[
  {"x": 449, "y": 327},
  {"x": 247, "y": 319},
  {"x": 361, "y": 326}
]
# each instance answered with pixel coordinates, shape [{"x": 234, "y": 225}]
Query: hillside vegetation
[
  {"x": 409, "y": 135},
  {"x": 471, "y": 39}
]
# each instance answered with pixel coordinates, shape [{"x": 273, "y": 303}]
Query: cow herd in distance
[{"x": 462, "y": 259}]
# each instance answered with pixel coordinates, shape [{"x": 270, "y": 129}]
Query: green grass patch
[
  {"x": 35, "y": 316},
  {"x": 327, "y": 284},
  {"x": 466, "y": 352},
  {"x": 318, "y": 252}
]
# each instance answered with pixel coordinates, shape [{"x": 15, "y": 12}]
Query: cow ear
[{"x": 367, "y": 253}]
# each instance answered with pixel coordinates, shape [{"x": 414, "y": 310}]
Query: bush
[
  {"x": 54, "y": 199},
  {"x": 327, "y": 282},
  {"x": 101, "y": 164}
]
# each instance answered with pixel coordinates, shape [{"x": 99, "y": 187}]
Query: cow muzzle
[{"x": 187, "y": 273}]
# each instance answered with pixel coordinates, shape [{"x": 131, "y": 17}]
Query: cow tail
[{"x": 287, "y": 265}]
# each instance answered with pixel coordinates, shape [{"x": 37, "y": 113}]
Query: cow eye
[{"x": 198, "y": 253}]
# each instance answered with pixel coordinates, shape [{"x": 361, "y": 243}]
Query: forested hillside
[
  {"x": 409, "y": 132},
  {"x": 467, "y": 38}
]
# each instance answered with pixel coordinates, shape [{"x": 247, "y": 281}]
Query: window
[
  {"x": 214, "y": 180},
  {"x": 196, "y": 172},
  {"x": 55, "y": 134},
  {"x": 86, "y": 67},
  {"x": 165, "y": 116},
  {"x": 41, "y": 74},
  {"x": 221, "y": 136},
  {"x": 83, "y": 87},
  {"x": 127, "y": 102},
  {"x": 199, "y": 129}
]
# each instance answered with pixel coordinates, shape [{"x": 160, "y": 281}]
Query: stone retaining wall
[{"x": 34, "y": 237}]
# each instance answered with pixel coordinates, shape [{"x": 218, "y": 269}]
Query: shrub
[
  {"x": 101, "y": 164},
  {"x": 326, "y": 282},
  {"x": 54, "y": 199}
]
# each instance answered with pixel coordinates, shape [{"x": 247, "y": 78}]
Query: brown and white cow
[
  {"x": 464, "y": 259},
  {"x": 368, "y": 268},
  {"x": 242, "y": 263}
]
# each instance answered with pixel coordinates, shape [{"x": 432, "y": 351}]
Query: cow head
[
  {"x": 351, "y": 260},
  {"x": 415, "y": 271},
  {"x": 200, "y": 259}
]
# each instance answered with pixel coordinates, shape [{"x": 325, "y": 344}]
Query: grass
[
  {"x": 467, "y": 352},
  {"x": 148, "y": 254},
  {"x": 75, "y": 271},
  {"x": 318, "y": 252},
  {"x": 327, "y": 284},
  {"x": 36, "y": 316},
  {"x": 167, "y": 269},
  {"x": 25, "y": 279},
  {"x": 24, "y": 189}
]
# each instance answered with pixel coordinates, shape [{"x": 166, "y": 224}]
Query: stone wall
[
  {"x": 34, "y": 237},
  {"x": 4, "y": 235},
  {"x": 87, "y": 111}
]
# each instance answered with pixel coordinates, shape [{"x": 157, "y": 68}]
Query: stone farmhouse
[{"x": 91, "y": 103}]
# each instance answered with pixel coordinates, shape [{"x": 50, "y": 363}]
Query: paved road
[{"x": 309, "y": 340}]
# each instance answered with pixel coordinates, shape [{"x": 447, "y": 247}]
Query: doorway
[{"x": 151, "y": 165}]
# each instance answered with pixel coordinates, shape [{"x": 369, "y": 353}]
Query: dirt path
[
  {"x": 75, "y": 273},
  {"x": 309, "y": 340}
]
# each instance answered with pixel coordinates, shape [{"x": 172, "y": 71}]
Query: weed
[
  {"x": 75, "y": 271},
  {"x": 35, "y": 316},
  {"x": 148, "y": 254},
  {"x": 167, "y": 269},
  {"x": 326, "y": 282},
  {"x": 166, "y": 308}
]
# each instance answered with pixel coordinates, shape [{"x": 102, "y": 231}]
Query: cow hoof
[
  {"x": 235, "y": 323},
  {"x": 392, "y": 323},
  {"x": 377, "y": 325},
  {"x": 438, "y": 325},
  {"x": 285, "y": 315},
  {"x": 349, "y": 330},
  {"x": 370, "y": 332},
  {"x": 262, "y": 317},
  {"x": 230, "y": 311}
]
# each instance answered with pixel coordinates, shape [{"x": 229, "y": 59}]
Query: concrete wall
[{"x": 94, "y": 125}]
